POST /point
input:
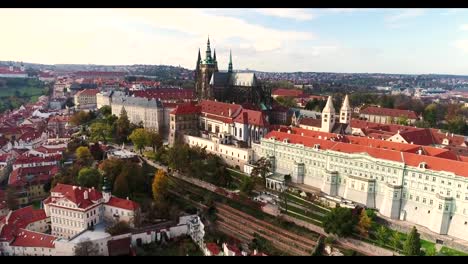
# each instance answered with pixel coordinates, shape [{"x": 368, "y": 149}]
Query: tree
[
  {"x": 139, "y": 138},
  {"x": 395, "y": 240},
  {"x": 319, "y": 247},
  {"x": 121, "y": 189},
  {"x": 118, "y": 228},
  {"x": 11, "y": 198},
  {"x": 457, "y": 125},
  {"x": 160, "y": 187},
  {"x": 247, "y": 185},
  {"x": 339, "y": 221},
  {"x": 83, "y": 156},
  {"x": 402, "y": 120},
  {"x": 89, "y": 177},
  {"x": 105, "y": 110},
  {"x": 364, "y": 224},
  {"x": 430, "y": 114},
  {"x": 111, "y": 168},
  {"x": 286, "y": 101},
  {"x": 122, "y": 126},
  {"x": 154, "y": 140},
  {"x": 96, "y": 151},
  {"x": 261, "y": 168},
  {"x": 80, "y": 118},
  {"x": 412, "y": 246},
  {"x": 100, "y": 131},
  {"x": 86, "y": 248},
  {"x": 382, "y": 234}
]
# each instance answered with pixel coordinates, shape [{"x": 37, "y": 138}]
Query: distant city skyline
[{"x": 394, "y": 41}]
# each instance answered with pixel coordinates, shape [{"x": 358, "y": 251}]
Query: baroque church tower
[
  {"x": 328, "y": 116},
  {"x": 203, "y": 72}
]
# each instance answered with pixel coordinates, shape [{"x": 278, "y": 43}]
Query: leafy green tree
[
  {"x": 382, "y": 235},
  {"x": 457, "y": 125},
  {"x": 105, "y": 110},
  {"x": 83, "y": 156},
  {"x": 247, "y": 185},
  {"x": 364, "y": 224},
  {"x": 89, "y": 177},
  {"x": 261, "y": 168},
  {"x": 101, "y": 131},
  {"x": 154, "y": 140},
  {"x": 395, "y": 240},
  {"x": 430, "y": 115},
  {"x": 286, "y": 101},
  {"x": 412, "y": 245},
  {"x": 402, "y": 120},
  {"x": 118, "y": 228},
  {"x": 340, "y": 221},
  {"x": 121, "y": 189},
  {"x": 122, "y": 126},
  {"x": 139, "y": 138}
]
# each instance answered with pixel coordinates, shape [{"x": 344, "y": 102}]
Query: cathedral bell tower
[
  {"x": 328, "y": 116},
  {"x": 203, "y": 72}
]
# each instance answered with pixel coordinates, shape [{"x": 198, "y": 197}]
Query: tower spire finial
[
  {"x": 230, "y": 61},
  {"x": 214, "y": 55},
  {"x": 208, "y": 58}
]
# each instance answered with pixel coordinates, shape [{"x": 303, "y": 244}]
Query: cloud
[
  {"x": 464, "y": 27},
  {"x": 297, "y": 14},
  {"x": 461, "y": 44},
  {"x": 128, "y": 36},
  {"x": 404, "y": 15}
]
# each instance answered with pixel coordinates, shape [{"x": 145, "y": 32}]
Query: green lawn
[
  {"x": 452, "y": 252},
  {"x": 305, "y": 203},
  {"x": 28, "y": 91}
]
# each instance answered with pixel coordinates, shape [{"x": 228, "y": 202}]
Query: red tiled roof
[
  {"x": 26, "y": 238},
  {"x": 213, "y": 248},
  {"x": 372, "y": 110},
  {"x": 18, "y": 219},
  {"x": 251, "y": 117},
  {"x": 166, "y": 94},
  {"x": 24, "y": 159},
  {"x": 439, "y": 160},
  {"x": 89, "y": 92},
  {"x": 287, "y": 92},
  {"x": 100, "y": 73},
  {"x": 234, "y": 249},
  {"x": 186, "y": 108},
  {"x": 219, "y": 108},
  {"x": 307, "y": 121},
  {"x": 122, "y": 203},
  {"x": 27, "y": 175},
  {"x": 77, "y": 195}
]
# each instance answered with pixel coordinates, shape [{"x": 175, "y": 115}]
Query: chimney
[
  {"x": 289, "y": 131},
  {"x": 230, "y": 112},
  {"x": 420, "y": 151},
  {"x": 255, "y": 252},
  {"x": 79, "y": 187},
  {"x": 85, "y": 195},
  {"x": 74, "y": 187},
  {"x": 452, "y": 134},
  {"x": 127, "y": 198}
]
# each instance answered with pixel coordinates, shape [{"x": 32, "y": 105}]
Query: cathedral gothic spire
[{"x": 230, "y": 61}]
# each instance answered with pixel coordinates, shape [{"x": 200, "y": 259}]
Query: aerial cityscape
[{"x": 234, "y": 132}]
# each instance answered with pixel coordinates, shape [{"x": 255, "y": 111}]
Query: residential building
[
  {"x": 73, "y": 209},
  {"x": 387, "y": 115},
  {"x": 86, "y": 99}
]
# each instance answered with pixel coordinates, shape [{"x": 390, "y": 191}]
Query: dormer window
[
  {"x": 316, "y": 146},
  {"x": 286, "y": 140},
  {"x": 445, "y": 141},
  {"x": 423, "y": 165}
]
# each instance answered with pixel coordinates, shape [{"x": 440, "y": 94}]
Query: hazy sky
[{"x": 322, "y": 40}]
